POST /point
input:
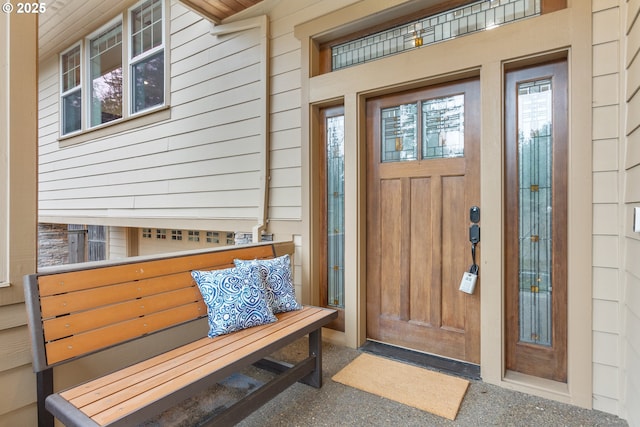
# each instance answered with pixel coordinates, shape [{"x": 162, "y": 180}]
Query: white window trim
[
  {"x": 63, "y": 93},
  {"x": 114, "y": 126},
  {"x": 86, "y": 101},
  {"x": 134, "y": 60}
]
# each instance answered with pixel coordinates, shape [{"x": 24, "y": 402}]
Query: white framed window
[
  {"x": 146, "y": 55},
  {"x": 105, "y": 74},
  {"x": 71, "y": 89},
  {"x": 116, "y": 72}
]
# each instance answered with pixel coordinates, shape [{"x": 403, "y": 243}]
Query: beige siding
[
  {"x": 117, "y": 242},
  {"x": 631, "y": 310},
  {"x": 17, "y": 213},
  {"x": 607, "y": 189},
  {"x": 203, "y": 162}
]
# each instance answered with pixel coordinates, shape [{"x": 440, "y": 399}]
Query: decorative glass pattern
[
  {"x": 478, "y": 16},
  {"x": 443, "y": 127},
  {"x": 335, "y": 211},
  {"x": 399, "y": 139},
  {"x": 535, "y": 207}
]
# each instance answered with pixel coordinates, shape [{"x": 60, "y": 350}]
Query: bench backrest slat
[
  {"x": 87, "y": 342},
  {"x": 76, "y": 323},
  {"x": 81, "y": 311},
  {"x": 87, "y": 279}
]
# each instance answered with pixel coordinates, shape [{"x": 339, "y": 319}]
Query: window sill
[
  {"x": 5, "y": 284},
  {"x": 122, "y": 125}
]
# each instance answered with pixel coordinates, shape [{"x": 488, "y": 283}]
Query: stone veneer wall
[{"x": 53, "y": 245}]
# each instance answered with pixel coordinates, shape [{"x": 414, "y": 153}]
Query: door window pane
[
  {"x": 335, "y": 211},
  {"x": 535, "y": 210},
  {"x": 443, "y": 127},
  {"x": 105, "y": 56},
  {"x": 399, "y": 139}
]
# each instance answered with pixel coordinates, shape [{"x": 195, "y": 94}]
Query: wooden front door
[{"x": 422, "y": 179}]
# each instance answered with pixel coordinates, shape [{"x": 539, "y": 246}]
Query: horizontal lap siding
[
  {"x": 632, "y": 199},
  {"x": 204, "y": 161}
]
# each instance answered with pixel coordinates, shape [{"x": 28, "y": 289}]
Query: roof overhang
[{"x": 219, "y": 10}]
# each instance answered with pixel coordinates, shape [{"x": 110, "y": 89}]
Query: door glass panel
[
  {"x": 534, "y": 102},
  {"x": 335, "y": 211},
  {"x": 399, "y": 138},
  {"x": 443, "y": 127}
]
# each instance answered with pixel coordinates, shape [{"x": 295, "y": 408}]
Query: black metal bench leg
[
  {"x": 315, "y": 350},
  {"x": 44, "y": 387}
]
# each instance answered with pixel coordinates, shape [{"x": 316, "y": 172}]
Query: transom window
[
  {"x": 476, "y": 16},
  {"x": 124, "y": 62}
]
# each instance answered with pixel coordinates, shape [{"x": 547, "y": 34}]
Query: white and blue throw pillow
[
  {"x": 276, "y": 278},
  {"x": 235, "y": 298}
]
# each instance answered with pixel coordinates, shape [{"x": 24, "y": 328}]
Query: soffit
[
  {"x": 219, "y": 10},
  {"x": 67, "y": 21}
]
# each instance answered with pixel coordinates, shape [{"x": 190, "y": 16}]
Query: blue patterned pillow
[
  {"x": 235, "y": 299},
  {"x": 276, "y": 277}
]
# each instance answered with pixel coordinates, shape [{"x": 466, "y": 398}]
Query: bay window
[{"x": 124, "y": 66}]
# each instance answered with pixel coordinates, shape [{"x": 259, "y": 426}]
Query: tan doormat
[{"x": 421, "y": 388}]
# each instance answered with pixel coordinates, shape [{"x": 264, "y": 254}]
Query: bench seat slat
[
  {"x": 54, "y": 284},
  {"x": 218, "y": 364},
  {"x": 85, "y": 321},
  {"x": 87, "y": 342},
  {"x": 72, "y": 302},
  {"x": 144, "y": 383},
  {"x": 109, "y": 384}
]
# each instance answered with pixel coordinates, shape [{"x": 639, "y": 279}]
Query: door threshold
[{"x": 436, "y": 363}]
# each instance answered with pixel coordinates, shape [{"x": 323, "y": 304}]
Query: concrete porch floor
[{"x": 339, "y": 405}]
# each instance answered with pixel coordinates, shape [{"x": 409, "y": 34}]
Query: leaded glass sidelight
[
  {"x": 335, "y": 211},
  {"x": 443, "y": 127},
  {"x": 399, "y": 137},
  {"x": 535, "y": 149}
]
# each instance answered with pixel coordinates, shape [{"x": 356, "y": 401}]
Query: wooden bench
[{"x": 79, "y": 310}]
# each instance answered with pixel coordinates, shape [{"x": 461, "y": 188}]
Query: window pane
[
  {"x": 71, "y": 69},
  {"x": 535, "y": 209},
  {"x": 335, "y": 211},
  {"x": 148, "y": 82},
  {"x": 443, "y": 127},
  {"x": 399, "y": 133},
  {"x": 106, "y": 76},
  {"x": 71, "y": 112},
  {"x": 147, "y": 27}
]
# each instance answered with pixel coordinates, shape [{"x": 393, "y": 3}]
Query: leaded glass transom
[{"x": 478, "y": 16}]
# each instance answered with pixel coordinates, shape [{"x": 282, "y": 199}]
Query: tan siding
[
  {"x": 184, "y": 167},
  {"x": 117, "y": 242},
  {"x": 631, "y": 312},
  {"x": 607, "y": 188}
]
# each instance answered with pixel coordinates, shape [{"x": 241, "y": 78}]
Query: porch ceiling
[
  {"x": 219, "y": 10},
  {"x": 66, "y": 21}
]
